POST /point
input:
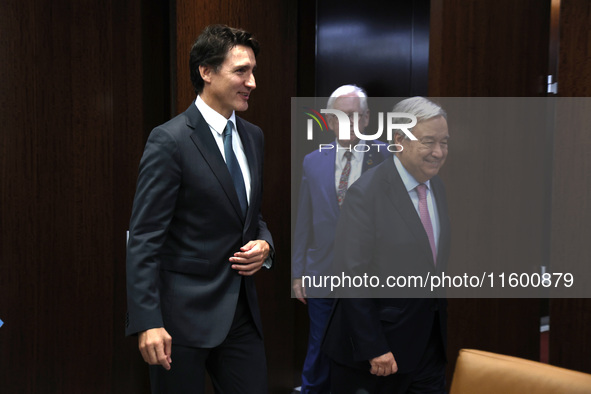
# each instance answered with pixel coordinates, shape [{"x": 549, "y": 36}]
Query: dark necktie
[
  {"x": 344, "y": 180},
  {"x": 234, "y": 168},
  {"x": 426, "y": 218}
]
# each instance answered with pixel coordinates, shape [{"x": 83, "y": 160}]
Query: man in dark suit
[
  {"x": 327, "y": 174},
  {"x": 394, "y": 221},
  {"x": 196, "y": 233}
]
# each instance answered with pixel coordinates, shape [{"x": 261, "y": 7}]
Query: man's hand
[
  {"x": 251, "y": 257},
  {"x": 383, "y": 365},
  {"x": 299, "y": 290},
  {"x": 156, "y": 345}
]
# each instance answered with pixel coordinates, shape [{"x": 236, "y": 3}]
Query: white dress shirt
[
  {"x": 411, "y": 183},
  {"x": 217, "y": 124}
]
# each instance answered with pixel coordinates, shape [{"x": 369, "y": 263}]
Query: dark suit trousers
[
  {"x": 316, "y": 371},
  {"x": 429, "y": 377},
  {"x": 237, "y": 365}
]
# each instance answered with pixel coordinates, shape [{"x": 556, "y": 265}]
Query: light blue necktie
[{"x": 234, "y": 168}]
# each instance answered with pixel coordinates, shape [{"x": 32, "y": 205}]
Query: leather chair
[{"x": 479, "y": 372}]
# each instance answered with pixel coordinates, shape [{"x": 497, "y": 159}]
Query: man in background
[
  {"x": 197, "y": 235},
  {"x": 394, "y": 221},
  {"x": 327, "y": 174}
]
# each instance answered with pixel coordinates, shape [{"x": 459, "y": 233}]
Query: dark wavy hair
[{"x": 212, "y": 46}]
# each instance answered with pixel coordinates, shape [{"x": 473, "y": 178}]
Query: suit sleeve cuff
[{"x": 268, "y": 263}]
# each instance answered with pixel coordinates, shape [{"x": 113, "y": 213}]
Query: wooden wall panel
[
  {"x": 570, "y": 343},
  {"x": 574, "y": 59},
  {"x": 274, "y": 24},
  {"x": 492, "y": 48},
  {"x": 488, "y": 48},
  {"x": 72, "y": 119},
  {"x": 570, "y": 319},
  {"x": 496, "y": 200}
]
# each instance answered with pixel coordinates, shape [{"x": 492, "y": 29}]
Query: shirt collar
[
  {"x": 409, "y": 181},
  {"x": 215, "y": 121},
  {"x": 341, "y": 153}
]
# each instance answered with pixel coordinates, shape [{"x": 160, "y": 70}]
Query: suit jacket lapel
[
  {"x": 204, "y": 141},
  {"x": 444, "y": 225},
  {"x": 327, "y": 176},
  {"x": 398, "y": 194},
  {"x": 251, "y": 158}
]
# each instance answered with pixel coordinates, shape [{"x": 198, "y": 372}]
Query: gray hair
[
  {"x": 420, "y": 107},
  {"x": 348, "y": 89}
]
